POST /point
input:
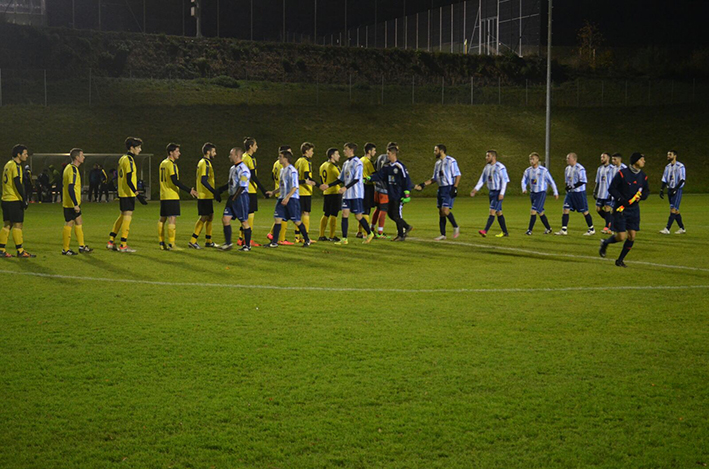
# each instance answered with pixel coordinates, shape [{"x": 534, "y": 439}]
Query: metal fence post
[
  {"x": 350, "y": 88},
  {"x": 526, "y": 92},
  {"x": 413, "y": 90},
  {"x": 471, "y": 91},
  {"x": 45, "y": 87},
  {"x": 0, "y": 87},
  {"x": 499, "y": 90},
  {"x": 443, "y": 90},
  {"x": 90, "y": 87},
  {"x": 382, "y": 90}
]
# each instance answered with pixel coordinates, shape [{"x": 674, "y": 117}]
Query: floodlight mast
[
  {"x": 547, "y": 148},
  {"x": 196, "y": 12}
]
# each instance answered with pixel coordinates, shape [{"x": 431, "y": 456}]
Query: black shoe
[
  {"x": 245, "y": 248},
  {"x": 323, "y": 238},
  {"x": 85, "y": 249},
  {"x": 399, "y": 238},
  {"x": 359, "y": 235},
  {"x": 272, "y": 245},
  {"x": 409, "y": 229},
  {"x": 602, "y": 249},
  {"x": 210, "y": 245},
  {"x": 335, "y": 239},
  {"x": 620, "y": 263},
  {"x": 306, "y": 243},
  {"x": 68, "y": 252}
]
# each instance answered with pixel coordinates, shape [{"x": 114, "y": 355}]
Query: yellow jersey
[
  {"x": 168, "y": 189},
  {"x": 126, "y": 167},
  {"x": 367, "y": 169},
  {"x": 250, "y": 163},
  {"x": 276, "y": 174},
  {"x": 71, "y": 176},
  {"x": 9, "y": 173},
  {"x": 305, "y": 171},
  {"x": 204, "y": 168},
  {"x": 329, "y": 173}
]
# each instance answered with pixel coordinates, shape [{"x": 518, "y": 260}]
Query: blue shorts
[
  {"x": 676, "y": 199},
  {"x": 627, "y": 220},
  {"x": 353, "y": 205},
  {"x": 291, "y": 211},
  {"x": 495, "y": 204},
  {"x": 576, "y": 202},
  {"x": 238, "y": 209},
  {"x": 444, "y": 197},
  {"x": 604, "y": 202},
  {"x": 538, "y": 199}
]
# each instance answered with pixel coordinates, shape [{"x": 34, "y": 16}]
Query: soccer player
[
  {"x": 673, "y": 178},
  {"x": 332, "y": 200},
  {"x": 250, "y": 148},
  {"x": 276, "y": 176},
  {"x": 575, "y": 200},
  {"x": 127, "y": 192},
  {"x": 207, "y": 193},
  {"x": 305, "y": 178},
  {"x": 71, "y": 202},
  {"x": 604, "y": 204},
  {"x": 495, "y": 176},
  {"x": 447, "y": 175},
  {"x": 170, "y": 186},
  {"x": 14, "y": 203},
  {"x": 628, "y": 188},
  {"x": 288, "y": 205},
  {"x": 381, "y": 197},
  {"x": 370, "y": 151},
  {"x": 537, "y": 178},
  {"x": 398, "y": 190},
  {"x": 353, "y": 190},
  {"x": 237, "y": 205}
]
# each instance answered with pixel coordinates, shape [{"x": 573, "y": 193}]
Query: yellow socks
[
  {"x": 197, "y": 230},
  {"x": 333, "y": 225},
  {"x": 282, "y": 234},
  {"x": 4, "y": 236},
  {"x": 306, "y": 221},
  {"x": 79, "y": 231},
  {"x": 323, "y": 225},
  {"x": 66, "y": 237},
  {"x": 116, "y": 226},
  {"x": 208, "y": 231},
  {"x": 161, "y": 231},
  {"x": 171, "y": 233},
  {"x": 17, "y": 237},
  {"x": 125, "y": 229}
]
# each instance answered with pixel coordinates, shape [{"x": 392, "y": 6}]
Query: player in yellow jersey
[
  {"x": 14, "y": 203},
  {"x": 304, "y": 166},
  {"x": 127, "y": 192},
  {"x": 170, "y": 186},
  {"x": 207, "y": 193},
  {"x": 370, "y": 151},
  {"x": 71, "y": 202},
  {"x": 250, "y": 148},
  {"x": 276, "y": 175},
  {"x": 330, "y": 172}
]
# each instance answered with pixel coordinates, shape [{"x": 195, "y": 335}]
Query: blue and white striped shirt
[
  {"x": 495, "y": 176},
  {"x": 604, "y": 176},
  {"x": 538, "y": 179},
  {"x": 352, "y": 171},
  {"x": 288, "y": 180},
  {"x": 239, "y": 175},
  {"x": 673, "y": 174},
  {"x": 575, "y": 174},
  {"x": 445, "y": 171}
]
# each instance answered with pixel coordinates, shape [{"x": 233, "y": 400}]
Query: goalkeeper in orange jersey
[{"x": 628, "y": 187}]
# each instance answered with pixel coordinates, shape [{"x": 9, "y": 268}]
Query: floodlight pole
[
  {"x": 252, "y": 20},
  {"x": 315, "y": 23},
  {"x": 547, "y": 148},
  {"x": 284, "y": 20}
]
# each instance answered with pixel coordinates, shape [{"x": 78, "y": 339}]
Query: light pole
[{"x": 547, "y": 148}]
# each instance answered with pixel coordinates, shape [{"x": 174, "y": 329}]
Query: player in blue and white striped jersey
[
  {"x": 538, "y": 179},
  {"x": 288, "y": 205},
  {"x": 673, "y": 178},
  {"x": 575, "y": 200},
  {"x": 495, "y": 176},
  {"x": 604, "y": 203},
  {"x": 352, "y": 180},
  {"x": 237, "y": 205},
  {"x": 447, "y": 175}
]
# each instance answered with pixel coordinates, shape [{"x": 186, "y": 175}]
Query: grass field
[{"x": 517, "y": 352}]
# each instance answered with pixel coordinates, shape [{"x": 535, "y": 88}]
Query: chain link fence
[{"x": 86, "y": 88}]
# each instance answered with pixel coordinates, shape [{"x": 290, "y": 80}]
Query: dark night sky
[{"x": 622, "y": 22}]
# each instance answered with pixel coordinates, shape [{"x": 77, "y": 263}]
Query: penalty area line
[{"x": 345, "y": 289}]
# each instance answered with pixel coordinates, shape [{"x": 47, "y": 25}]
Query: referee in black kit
[{"x": 628, "y": 188}]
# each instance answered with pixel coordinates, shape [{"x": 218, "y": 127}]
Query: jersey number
[{"x": 162, "y": 175}]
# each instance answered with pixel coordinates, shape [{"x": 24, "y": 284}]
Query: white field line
[
  {"x": 372, "y": 290},
  {"x": 557, "y": 254}
]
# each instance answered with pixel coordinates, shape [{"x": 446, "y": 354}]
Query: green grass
[{"x": 104, "y": 373}]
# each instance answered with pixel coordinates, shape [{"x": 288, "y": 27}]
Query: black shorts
[
  {"x": 332, "y": 203},
  {"x": 205, "y": 207},
  {"x": 368, "y": 198},
  {"x": 306, "y": 203},
  {"x": 628, "y": 220},
  {"x": 70, "y": 214},
  {"x": 253, "y": 203},
  {"x": 127, "y": 204},
  {"x": 169, "y": 208},
  {"x": 14, "y": 212}
]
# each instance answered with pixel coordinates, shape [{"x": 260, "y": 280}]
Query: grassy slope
[
  {"x": 99, "y": 373},
  {"x": 468, "y": 132}
]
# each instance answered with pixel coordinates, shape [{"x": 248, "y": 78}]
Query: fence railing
[{"x": 85, "y": 87}]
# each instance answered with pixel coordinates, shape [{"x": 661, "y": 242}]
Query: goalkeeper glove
[
  {"x": 454, "y": 192},
  {"x": 141, "y": 199},
  {"x": 568, "y": 188},
  {"x": 368, "y": 178},
  {"x": 662, "y": 195},
  {"x": 407, "y": 197}
]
